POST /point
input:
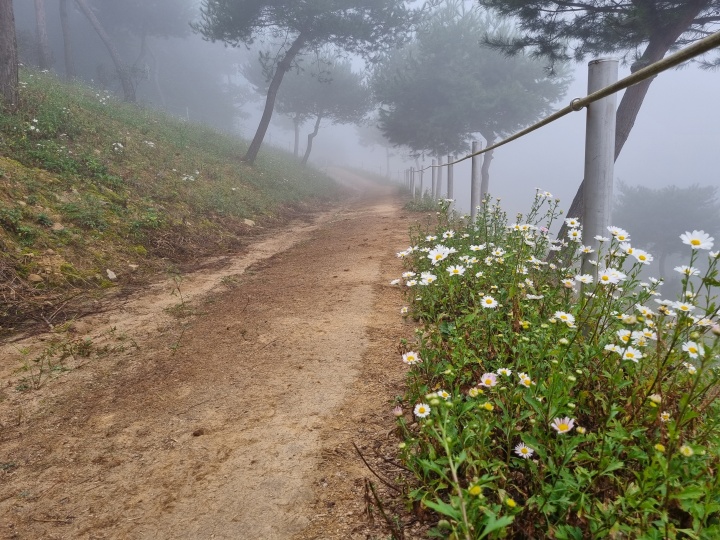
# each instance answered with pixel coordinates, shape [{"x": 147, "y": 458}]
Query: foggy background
[{"x": 676, "y": 139}]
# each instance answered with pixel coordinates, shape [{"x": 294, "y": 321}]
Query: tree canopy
[
  {"x": 443, "y": 88},
  {"x": 639, "y": 31},
  {"x": 364, "y": 27},
  {"x": 323, "y": 87}
]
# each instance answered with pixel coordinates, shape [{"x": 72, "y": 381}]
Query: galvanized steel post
[
  {"x": 433, "y": 187},
  {"x": 599, "y": 157},
  {"x": 475, "y": 182}
]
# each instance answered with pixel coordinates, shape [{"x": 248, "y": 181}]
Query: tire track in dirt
[{"x": 224, "y": 435}]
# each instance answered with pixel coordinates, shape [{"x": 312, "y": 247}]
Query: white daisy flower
[
  {"x": 697, "y": 239},
  {"x": 572, "y": 222},
  {"x": 422, "y": 410},
  {"x": 642, "y": 256},
  {"x": 631, "y": 353},
  {"x": 562, "y": 425},
  {"x": 523, "y": 451},
  {"x": 687, "y": 270},
  {"x": 488, "y": 302},
  {"x": 620, "y": 234},
  {"x": 693, "y": 349},
  {"x": 567, "y": 318},
  {"x": 411, "y": 358}
]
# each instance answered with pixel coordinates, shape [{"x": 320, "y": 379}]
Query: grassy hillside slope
[{"x": 88, "y": 184}]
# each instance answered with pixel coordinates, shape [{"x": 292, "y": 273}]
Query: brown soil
[{"x": 226, "y": 404}]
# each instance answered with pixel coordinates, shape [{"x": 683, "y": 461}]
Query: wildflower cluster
[{"x": 571, "y": 404}]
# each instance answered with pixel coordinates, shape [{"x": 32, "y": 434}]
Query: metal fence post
[
  {"x": 422, "y": 188},
  {"x": 438, "y": 186},
  {"x": 475, "y": 182},
  {"x": 412, "y": 181},
  {"x": 599, "y": 157},
  {"x": 450, "y": 190},
  {"x": 433, "y": 187}
]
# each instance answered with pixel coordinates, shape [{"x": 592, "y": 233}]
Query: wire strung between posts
[{"x": 577, "y": 104}]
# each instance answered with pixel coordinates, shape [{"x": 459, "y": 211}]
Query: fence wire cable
[{"x": 699, "y": 47}]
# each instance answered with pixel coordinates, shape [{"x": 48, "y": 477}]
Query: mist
[{"x": 674, "y": 140}]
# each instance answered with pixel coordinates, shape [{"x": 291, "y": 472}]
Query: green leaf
[
  {"x": 444, "y": 508},
  {"x": 614, "y": 466},
  {"x": 495, "y": 523},
  {"x": 691, "y": 492}
]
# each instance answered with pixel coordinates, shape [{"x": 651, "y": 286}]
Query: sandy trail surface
[{"x": 225, "y": 404}]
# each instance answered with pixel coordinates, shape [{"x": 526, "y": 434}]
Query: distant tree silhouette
[
  {"x": 363, "y": 27},
  {"x": 443, "y": 88},
  {"x": 655, "y": 218}
]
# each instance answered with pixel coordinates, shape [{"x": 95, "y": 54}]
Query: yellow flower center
[
  {"x": 695, "y": 242},
  {"x": 563, "y": 427}
]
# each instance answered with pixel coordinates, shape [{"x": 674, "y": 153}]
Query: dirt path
[{"x": 229, "y": 412}]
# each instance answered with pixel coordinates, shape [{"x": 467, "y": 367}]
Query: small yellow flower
[
  {"x": 686, "y": 451},
  {"x": 659, "y": 447},
  {"x": 581, "y": 430},
  {"x": 510, "y": 502},
  {"x": 655, "y": 398},
  {"x": 488, "y": 406},
  {"x": 475, "y": 490}
]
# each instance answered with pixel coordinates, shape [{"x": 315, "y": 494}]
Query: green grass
[{"x": 88, "y": 183}]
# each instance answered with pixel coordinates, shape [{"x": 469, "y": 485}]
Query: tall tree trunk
[
  {"x": 311, "y": 136},
  {"x": 658, "y": 46},
  {"x": 156, "y": 77},
  {"x": 485, "y": 169},
  {"x": 296, "y": 125},
  {"x": 282, "y": 68},
  {"x": 8, "y": 57},
  {"x": 44, "y": 56},
  {"x": 122, "y": 69},
  {"x": 67, "y": 43}
]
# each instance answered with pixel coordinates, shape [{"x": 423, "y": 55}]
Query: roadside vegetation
[
  {"x": 94, "y": 192},
  {"x": 548, "y": 402}
]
